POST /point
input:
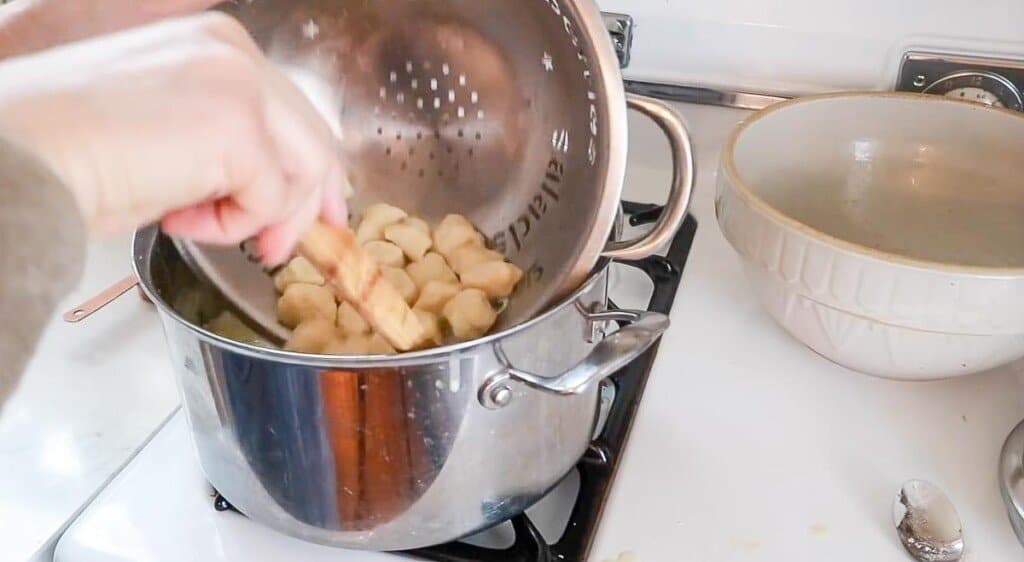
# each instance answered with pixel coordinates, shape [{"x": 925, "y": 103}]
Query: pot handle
[
  {"x": 683, "y": 174},
  {"x": 95, "y": 304},
  {"x": 613, "y": 353}
]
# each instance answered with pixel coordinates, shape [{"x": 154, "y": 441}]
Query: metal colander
[{"x": 511, "y": 112}]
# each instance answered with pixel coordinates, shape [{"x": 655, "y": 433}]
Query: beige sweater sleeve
[{"x": 42, "y": 252}]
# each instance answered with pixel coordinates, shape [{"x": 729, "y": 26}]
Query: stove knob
[{"x": 987, "y": 88}]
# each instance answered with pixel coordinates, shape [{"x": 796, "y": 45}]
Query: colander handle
[
  {"x": 683, "y": 174},
  {"x": 611, "y": 354}
]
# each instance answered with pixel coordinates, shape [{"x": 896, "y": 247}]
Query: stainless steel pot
[{"x": 394, "y": 453}]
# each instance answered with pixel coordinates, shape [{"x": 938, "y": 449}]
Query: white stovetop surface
[
  {"x": 748, "y": 447},
  {"x": 94, "y": 393}
]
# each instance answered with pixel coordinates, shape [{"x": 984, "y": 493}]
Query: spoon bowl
[{"x": 927, "y": 523}]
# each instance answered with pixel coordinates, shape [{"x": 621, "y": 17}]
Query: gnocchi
[
  {"x": 454, "y": 231},
  {"x": 470, "y": 314},
  {"x": 299, "y": 270},
  {"x": 413, "y": 242},
  {"x": 432, "y": 267},
  {"x": 496, "y": 278},
  {"x": 375, "y": 219},
  {"x": 435, "y": 295},
  {"x": 348, "y": 345},
  {"x": 419, "y": 224},
  {"x": 402, "y": 283},
  {"x": 431, "y": 325},
  {"x": 350, "y": 322},
  {"x": 446, "y": 274},
  {"x": 380, "y": 346},
  {"x": 312, "y": 336},
  {"x": 362, "y": 344},
  {"x": 386, "y": 253},
  {"x": 468, "y": 256},
  {"x": 302, "y": 302}
]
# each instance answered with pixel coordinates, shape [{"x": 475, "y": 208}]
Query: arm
[
  {"x": 182, "y": 122},
  {"x": 28, "y": 26},
  {"x": 42, "y": 249}
]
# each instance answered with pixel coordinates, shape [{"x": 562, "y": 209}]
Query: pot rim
[{"x": 144, "y": 240}]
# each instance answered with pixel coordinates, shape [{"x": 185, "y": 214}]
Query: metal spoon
[{"x": 927, "y": 523}]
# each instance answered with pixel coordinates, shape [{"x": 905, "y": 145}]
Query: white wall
[{"x": 802, "y": 46}]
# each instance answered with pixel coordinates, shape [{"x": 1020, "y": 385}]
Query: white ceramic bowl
[{"x": 885, "y": 231}]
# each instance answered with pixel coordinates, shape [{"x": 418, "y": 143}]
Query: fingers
[
  {"x": 182, "y": 7},
  {"x": 334, "y": 210},
  {"x": 108, "y": 16},
  {"x": 221, "y": 222},
  {"x": 277, "y": 243},
  {"x": 308, "y": 154},
  {"x": 230, "y": 31},
  {"x": 282, "y": 176},
  {"x": 301, "y": 132},
  {"x": 253, "y": 202}
]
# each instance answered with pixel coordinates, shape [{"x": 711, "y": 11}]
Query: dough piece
[
  {"x": 496, "y": 278},
  {"x": 402, "y": 283},
  {"x": 348, "y": 345},
  {"x": 435, "y": 295},
  {"x": 470, "y": 314},
  {"x": 299, "y": 270},
  {"x": 312, "y": 336},
  {"x": 468, "y": 256},
  {"x": 454, "y": 231},
  {"x": 419, "y": 224},
  {"x": 414, "y": 242},
  {"x": 375, "y": 219},
  {"x": 302, "y": 302},
  {"x": 386, "y": 253},
  {"x": 432, "y": 267},
  {"x": 380, "y": 346},
  {"x": 359, "y": 345},
  {"x": 431, "y": 326},
  {"x": 350, "y": 322}
]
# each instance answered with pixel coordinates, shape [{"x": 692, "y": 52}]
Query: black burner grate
[{"x": 599, "y": 465}]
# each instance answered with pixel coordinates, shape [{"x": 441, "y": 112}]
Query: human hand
[
  {"x": 33, "y": 25},
  {"x": 182, "y": 120}
]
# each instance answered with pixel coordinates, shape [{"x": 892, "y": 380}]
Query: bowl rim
[{"x": 744, "y": 190}]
